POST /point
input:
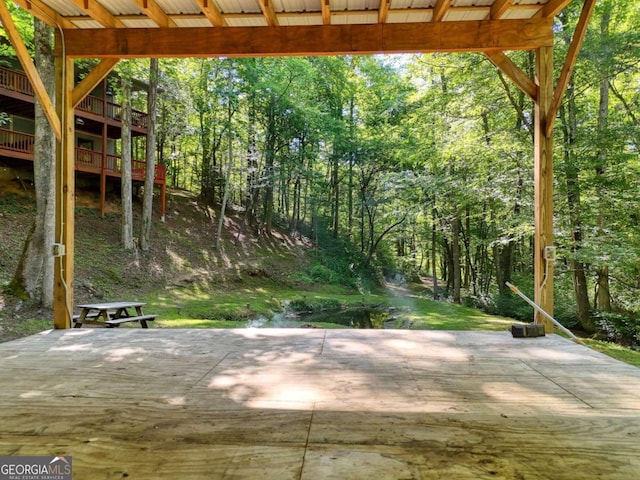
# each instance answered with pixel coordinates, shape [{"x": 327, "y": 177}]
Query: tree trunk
[
  {"x": 336, "y": 193},
  {"x": 352, "y": 160},
  {"x": 434, "y": 237},
  {"x": 571, "y": 172},
  {"x": 455, "y": 258},
  {"x": 603, "y": 296},
  {"x": 34, "y": 275},
  {"x": 125, "y": 169},
  {"x": 270, "y": 157},
  {"x": 227, "y": 176},
  {"x": 147, "y": 200},
  {"x": 252, "y": 163}
]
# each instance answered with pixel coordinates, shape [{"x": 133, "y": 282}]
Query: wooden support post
[
  {"x": 65, "y": 191},
  {"x": 543, "y": 196},
  {"x": 103, "y": 164},
  {"x": 163, "y": 201}
]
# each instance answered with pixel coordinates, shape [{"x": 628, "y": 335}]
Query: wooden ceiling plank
[
  {"x": 569, "y": 63},
  {"x": 499, "y": 8},
  {"x": 554, "y": 7},
  {"x": 99, "y": 13},
  {"x": 515, "y": 73},
  {"x": 269, "y": 13},
  {"x": 463, "y": 36},
  {"x": 383, "y": 12},
  {"x": 152, "y": 10},
  {"x": 213, "y": 14},
  {"x": 44, "y": 13},
  {"x": 30, "y": 70},
  {"x": 440, "y": 10},
  {"x": 92, "y": 80},
  {"x": 326, "y": 12}
]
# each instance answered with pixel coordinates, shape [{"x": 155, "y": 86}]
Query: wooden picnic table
[{"x": 111, "y": 314}]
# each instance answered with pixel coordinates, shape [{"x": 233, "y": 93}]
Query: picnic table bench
[{"x": 111, "y": 314}]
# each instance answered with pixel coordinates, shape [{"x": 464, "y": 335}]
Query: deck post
[
  {"x": 103, "y": 163},
  {"x": 543, "y": 178},
  {"x": 163, "y": 200},
  {"x": 65, "y": 192}
]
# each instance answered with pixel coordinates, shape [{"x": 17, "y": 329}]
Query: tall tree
[
  {"x": 230, "y": 104},
  {"x": 603, "y": 296},
  {"x": 126, "y": 189},
  {"x": 34, "y": 274},
  {"x": 150, "y": 168}
]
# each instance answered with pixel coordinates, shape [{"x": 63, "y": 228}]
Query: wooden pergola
[{"x": 110, "y": 30}]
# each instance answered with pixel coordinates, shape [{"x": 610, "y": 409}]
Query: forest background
[{"x": 422, "y": 165}]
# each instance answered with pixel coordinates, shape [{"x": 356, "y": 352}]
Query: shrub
[
  {"x": 509, "y": 304},
  {"x": 620, "y": 328}
]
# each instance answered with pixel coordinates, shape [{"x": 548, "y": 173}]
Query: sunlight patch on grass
[
  {"x": 195, "y": 308},
  {"x": 616, "y": 351},
  {"x": 192, "y": 307},
  {"x": 31, "y": 326},
  {"x": 199, "y": 323}
]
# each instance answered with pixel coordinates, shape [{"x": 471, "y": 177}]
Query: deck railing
[
  {"x": 18, "y": 82},
  {"x": 16, "y": 141},
  {"x": 86, "y": 160}
]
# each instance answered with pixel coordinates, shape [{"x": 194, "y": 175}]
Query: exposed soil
[{"x": 182, "y": 252}]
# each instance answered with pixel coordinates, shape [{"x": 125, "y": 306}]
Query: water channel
[{"x": 365, "y": 317}]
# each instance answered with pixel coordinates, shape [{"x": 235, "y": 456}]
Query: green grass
[
  {"x": 616, "y": 351},
  {"x": 194, "y": 308},
  {"x": 27, "y": 327}
]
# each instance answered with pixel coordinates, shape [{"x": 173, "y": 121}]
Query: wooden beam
[
  {"x": 554, "y": 7},
  {"x": 30, "y": 70},
  {"x": 383, "y": 12},
  {"x": 152, "y": 10},
  {"x": 267, "y": 10},
  {"x": 515, "y": 73},
  {"x": 212, "y": 13},
  {"x": 543, "y": 188},
  {"x": 99, "y": 13},
  {"x": 63, "y": 274},
  {"x": 44, "y": 13},
  {"x": 310, "y": 40},
  {"x": 326, "y": 12},
  {"x": 440, "y": 10},
  {"x": 569, "y": 63},
  {"x": 499, "y": 8},
  {"x": 92, "y": 80}
]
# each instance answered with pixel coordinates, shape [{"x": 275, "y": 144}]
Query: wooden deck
[{"x": 319, "y": 404}]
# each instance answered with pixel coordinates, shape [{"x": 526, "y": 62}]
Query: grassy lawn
[
  {"x": 616, "y": 351},
  {"x": 193, "y": 308}
]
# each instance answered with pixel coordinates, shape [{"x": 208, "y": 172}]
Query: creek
[{"x": 354, "y": 317}]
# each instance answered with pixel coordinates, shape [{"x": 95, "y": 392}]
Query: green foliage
[
  {"x": 17, "y": 291},
  {"x": 338, "y": 262},
  {"x": 324, "y": 274},
  {"x": 408, "y": 267},
  {"x": 622, "y": 328},
  {"x": 24, "y": 24},
  {"x": 565, "y": 309},
  {"x": 311, "y": 305},
  {"x": 11, "y": 204},
  {"x": 509, "y": 304}
]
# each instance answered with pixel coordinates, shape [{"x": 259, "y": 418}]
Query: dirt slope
[{"x": 183, "y": 252}]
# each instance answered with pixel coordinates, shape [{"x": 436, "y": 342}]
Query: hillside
[{"x": 182, "y": 252}]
